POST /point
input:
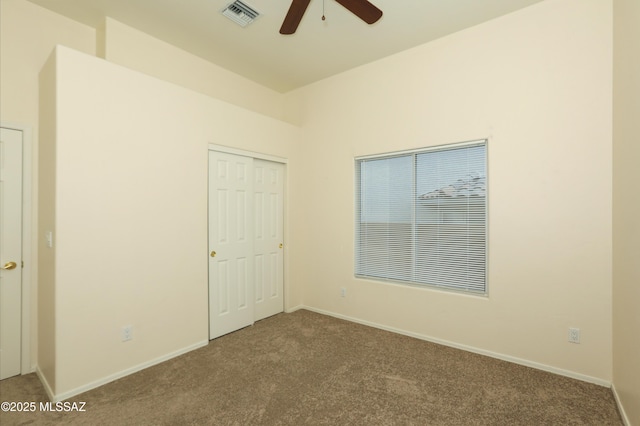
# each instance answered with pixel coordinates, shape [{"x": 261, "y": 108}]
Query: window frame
[{"x": 358, "y": 160}]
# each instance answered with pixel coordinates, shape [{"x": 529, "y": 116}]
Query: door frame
[
  {"x": 29, "y": 271},
  {"x": 285, "y": 209}
]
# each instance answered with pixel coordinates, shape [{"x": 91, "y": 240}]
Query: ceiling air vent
[{"x": 240, "y": 13}]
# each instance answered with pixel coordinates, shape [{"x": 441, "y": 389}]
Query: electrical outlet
[
  {"x": 343, "y": 292},
  {"x": 574, "y": 335},
  {"x": 127, "y": 333}
]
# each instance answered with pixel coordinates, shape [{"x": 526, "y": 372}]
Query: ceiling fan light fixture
[
  {"x": 240, "y": 13},
  {"x": 363, "y": 9}
]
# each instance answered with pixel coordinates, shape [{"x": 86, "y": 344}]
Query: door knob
[
  {"x": 9, "y": 265},
  {"x": 213, "y": 254}
]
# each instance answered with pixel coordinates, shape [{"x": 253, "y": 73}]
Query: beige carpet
[{"x": 306, "y": 368}]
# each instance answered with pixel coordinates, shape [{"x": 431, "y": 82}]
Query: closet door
[
  {"x": 231, "y": 241},
  {"x": 268, "y": 204}
]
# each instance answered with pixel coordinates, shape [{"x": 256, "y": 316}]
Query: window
[{"x": 421, "y": 217}]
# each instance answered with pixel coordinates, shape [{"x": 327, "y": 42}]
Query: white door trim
[
  {"x": 258, "y": 155},
  {"x": 28, "y": 256}
]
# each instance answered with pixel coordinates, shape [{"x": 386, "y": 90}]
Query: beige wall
[
  {"x": 626, "y": 206},
  {"x": 130, "y": 214},
  {"x": 46, "y": 306},
  {"x": 28, "y": 33},
  {"x": 537, "y": 84},
  {"x": 127, "y": 46}
]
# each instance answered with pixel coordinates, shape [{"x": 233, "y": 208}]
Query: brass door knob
[
  {"x": 9, "y": 265},
  {"x": 213, "y": 254},
  {"x": 280, "y": 245}
]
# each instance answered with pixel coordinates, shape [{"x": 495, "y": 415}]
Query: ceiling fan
[{"x": 361, "y": 8}]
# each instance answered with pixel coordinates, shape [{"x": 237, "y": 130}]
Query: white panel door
[
  {"x": 268, "y": 190},
  {"x": 10, "y": 251},
  {"x": 231, "y": 290}
]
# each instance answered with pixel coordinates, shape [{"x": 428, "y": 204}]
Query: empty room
[{"x": 320, "y": 212}]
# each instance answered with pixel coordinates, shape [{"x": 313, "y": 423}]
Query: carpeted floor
[{"x": 306, "y": 368}]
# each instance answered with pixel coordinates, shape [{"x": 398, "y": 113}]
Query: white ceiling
[{"x": 317, "y": 50}]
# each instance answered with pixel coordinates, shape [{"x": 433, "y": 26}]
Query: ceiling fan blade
[
  {"x": 363, "y": 10},
  {"x": 294, "y": 16}
]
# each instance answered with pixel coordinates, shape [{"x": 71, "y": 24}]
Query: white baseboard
[
  {"x": 293, "y": 309},
  {"x": 45, "y": 384},
  {"x": 103, "y": 381},
  {"x": 623, "y": 414},
  {"x": 65, "y": 395},
  {"x": 515, "y": 360}
]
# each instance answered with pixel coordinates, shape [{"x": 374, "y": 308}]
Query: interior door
[
  {"x": 10, "y": 251},
  {"x": 231, "y": 290},
  {"x": 268, "y": 193}
]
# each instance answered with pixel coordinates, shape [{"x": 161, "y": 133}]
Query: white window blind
[{"x": 421, "y": 217}]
